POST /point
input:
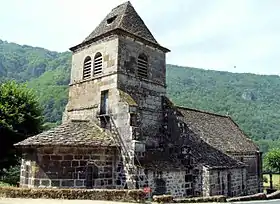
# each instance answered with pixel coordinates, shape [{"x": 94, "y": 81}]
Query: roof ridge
[
  {"x": 126, "y": 19},
  {"x": 203, "y": 111},
  {"x": 126, "y": 5}
]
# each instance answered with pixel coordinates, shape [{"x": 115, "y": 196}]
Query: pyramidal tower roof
[{"x": 122, "y": 18}]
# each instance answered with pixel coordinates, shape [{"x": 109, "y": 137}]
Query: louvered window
[
  {"x": 87, "y": 68},
  {"x": 97, "y": 64},
  {"x": 142, "y": 66}
]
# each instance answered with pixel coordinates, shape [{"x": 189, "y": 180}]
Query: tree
[
  {"x": 272, "y": 160},
  {"x": 20, "y": 117}
]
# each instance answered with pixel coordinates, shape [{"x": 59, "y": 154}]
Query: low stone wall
[
  {"x": 171, "y": 199},
  {"x": 73, "y": 194},
  {"x": 259, "y": 196},
  {"x": 218, "y": 199},
  {"x": 275, "y": 195}
]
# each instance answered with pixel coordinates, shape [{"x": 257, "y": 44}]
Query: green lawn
[
  {"x": 3, "y": 184},
  {"x": 275, "y": 180}
]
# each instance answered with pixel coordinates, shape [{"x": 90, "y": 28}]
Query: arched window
[
  {"x": 142, "y": 66},
  {"x": 97, "y": 64},
  {"x": 87, "y": 68}
]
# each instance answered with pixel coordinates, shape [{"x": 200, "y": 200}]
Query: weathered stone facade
[
  {"x": 69, "y": 167},
  {"x": 253, "y": 160},
  {"x": 119, "y": 129}
]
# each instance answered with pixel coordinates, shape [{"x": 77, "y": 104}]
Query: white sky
[{"x": 211, "y": 34}]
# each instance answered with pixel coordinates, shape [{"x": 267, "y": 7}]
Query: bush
[
  {"x": 11, "y": 176},
  {"x": 265, "y": 179},
  {"x": 72, "y": 194},
  {"x": 4, "y": 184}
]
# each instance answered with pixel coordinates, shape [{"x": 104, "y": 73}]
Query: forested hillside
[{"x": 251, "y": 100}]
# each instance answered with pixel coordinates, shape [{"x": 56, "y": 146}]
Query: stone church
[{"x": 119, "y": 129}]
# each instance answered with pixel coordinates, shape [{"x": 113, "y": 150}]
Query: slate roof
[
  {"x": 155, "y": 159},
  {"x": 200, "y": 151},
  {"x": 124, "y": 18},
  {"x": 219, "y": 131},
  {"x": 209, "y": 156},
  {"x": 72, "y": 133}
]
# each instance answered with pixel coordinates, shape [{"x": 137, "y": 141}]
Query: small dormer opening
[
  {"x": 97, "y": 64},
  {"x": 111, "y": 20},
  {"x": 142, "y": 66}
]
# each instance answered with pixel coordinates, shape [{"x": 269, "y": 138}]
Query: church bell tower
[{"x": 119, "y": 70}]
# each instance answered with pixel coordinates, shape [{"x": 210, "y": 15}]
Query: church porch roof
[{"x": 72, "y": 133}]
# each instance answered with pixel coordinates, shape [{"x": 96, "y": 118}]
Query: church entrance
[{"x": 91, "y": 175}]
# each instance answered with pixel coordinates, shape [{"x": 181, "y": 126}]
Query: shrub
[
  {"x": 3, "y": 184},
  {"x": 72, "y": 194},
  {"x": 11, "y": 176},
  {"x": 265, "y": 179}
]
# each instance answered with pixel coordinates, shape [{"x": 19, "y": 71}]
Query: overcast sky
[{"x": 211, "y": 34}]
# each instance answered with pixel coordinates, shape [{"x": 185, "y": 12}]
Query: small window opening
[
  {"x": 111, "y": 20},
  {"x": 133, "y": 119},
  {"x": 97, "y": 64},
  {"x": 104, "y": 102},
  {"x": 142, "y": 66},
  {"x": 87, "y": 68}
]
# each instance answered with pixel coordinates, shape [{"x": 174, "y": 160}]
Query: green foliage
[
  {"x": 46, "y": 72},
  {"x": 3, "y": 184},
  {"x": 265, "y": 179},
  {"x": 20, "y": 117},
  {"x": 251, "y": 100},
  {"x": 272, "y": 160},
  {"x": 11, "y": 176}
]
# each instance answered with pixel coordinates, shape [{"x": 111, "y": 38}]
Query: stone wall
[
  {"x": 253, "y": 184},
  {"x": 108, "y": 47},
  {"x": 130, "y": 49},
  {"x": 211, "y": 182},
  {"x": 254, "y": 170},
  {"x": 84, "y": 95},
  {"x": 145, "y": 92},
  {"x": 174, "y": 182},
  {"x": 231, "y": 182},
  {"x": 63, "y": 167}
]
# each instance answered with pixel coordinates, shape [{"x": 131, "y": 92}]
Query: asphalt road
[{"x": 50, "y": 201}]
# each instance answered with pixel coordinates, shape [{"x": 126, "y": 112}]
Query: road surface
[{"x": 50, "y": 201}]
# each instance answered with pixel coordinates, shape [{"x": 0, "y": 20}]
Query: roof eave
[
  {"x": 237, "y": 166},
  {"x": 118, "y": 31},
  {"x": 29, "y": 146}
]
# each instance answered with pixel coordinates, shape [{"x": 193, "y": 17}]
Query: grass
[
  {"x": 4, "y": 184},
  {"x": 275, "y": 180}
]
